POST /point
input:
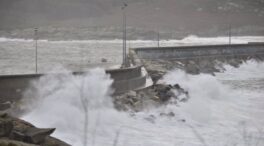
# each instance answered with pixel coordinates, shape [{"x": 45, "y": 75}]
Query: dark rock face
[
  {"x": 156, "y": 75},
  {"x": 158, "y": 68},
  {"x": 33, "y": 135},
  {"x": 127, "y": 101},
  {"x": 192, "y": 68},
  {"x": 166, "y": 92},
  {"x": 163, "y": 92},
  {"x": 8, "y": 142},
  {"x": 17, "y": 132},
  {"x": 5, "y": 106},
  {"x": 155, "y": 95},
  {"x": 6, "y": 125}
]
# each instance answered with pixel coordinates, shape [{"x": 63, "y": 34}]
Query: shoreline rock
[
  {"x": 156, "y": 95},
  {"x": 17, "y": 132}
]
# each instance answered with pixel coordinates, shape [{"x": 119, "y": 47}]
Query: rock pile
[
  {"x": 16, "y": 132},
  {"x": 131, "y": 100},
  {"x": 155, "y": 95},
  {"x": 157, "y": 68}
]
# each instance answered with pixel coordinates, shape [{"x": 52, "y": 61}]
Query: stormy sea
[{"x": 223, "y": 110}]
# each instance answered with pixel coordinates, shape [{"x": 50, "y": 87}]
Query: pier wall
[
  {"x": 12, "y": 87},
  {"x": 189, "y": 52}
]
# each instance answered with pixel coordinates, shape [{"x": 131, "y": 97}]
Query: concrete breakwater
[
  {"x": 190, "y": 52},
  {"x": 195, "y": 59},
  {"x": 12, "y": 87},
  {"x": 157, "y": 61}
]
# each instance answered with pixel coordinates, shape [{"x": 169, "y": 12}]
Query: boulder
[
  {"x": 150, "y": 119},
  {"x": 8, "y": 142},
  {"x": 21, "y": 125},
  {"x": 16, "y": 135},
  {"x": 170, "y": 114},
  {"x": 192, "y": 68},
  {"x": 234, "y": 62},
  {"x": 131, "y": 94},
  {"x": 156, "y": 75},
  {"x": 128, "y": 101},
  {"x": 103, "y": 60},
  {"x": 6, "y": 125},
  {"x": 16, "y": 130},
  {"x": 164, "y": 92},
  {"x": 37, "y": 135}
]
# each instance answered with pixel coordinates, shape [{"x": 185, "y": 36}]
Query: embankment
[
  {"x": 196, "y": 59},
  {"x": 12, "y": 87}
]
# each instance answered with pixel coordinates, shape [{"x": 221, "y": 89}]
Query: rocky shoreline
[
  {"x": 17, "y": 132},
  {"x": 158, "y": 68},
  {"x": 154, "y": 96}
]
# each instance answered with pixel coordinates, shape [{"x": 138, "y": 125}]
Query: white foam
[
  {"x": 57, "y": 102},
  {"x": 191, "y": 39},
  {"x": 248, "y": 70},
  {"x": 203, "y": 89},
  {"x": 3, "y": 39},
  {"x": 216, "y": 114}
]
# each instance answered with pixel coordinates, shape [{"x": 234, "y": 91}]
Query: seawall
[
  {"x": 12, "y": 87},
  {"x": 190, "y": 52},
  {"x": 195, "y": 59}
]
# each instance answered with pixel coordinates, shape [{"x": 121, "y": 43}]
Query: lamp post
[
  {"x": 36, "y": 48},
  {"x": 229, "y": 11},
  {"x": 124, "y": 35},
  {"x": 230, "y": 33},
  {"x": 158, "y": 39}
]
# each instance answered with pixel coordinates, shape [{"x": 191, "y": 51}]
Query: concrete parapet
[
  {"x": 12, "y": 87},
  {"x": 187, "y": 52},
  {"x": 127, "y": 79},
  {"x": 130, "y": 84},
  {"x": 125, "y": 73}
]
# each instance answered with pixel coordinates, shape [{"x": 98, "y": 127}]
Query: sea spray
[
  {"x": 203, "y": 89},
  {"x": 214, "y": 113},
  {"x": 55, "y": 101},
  {"x": 249, "y": 70}
]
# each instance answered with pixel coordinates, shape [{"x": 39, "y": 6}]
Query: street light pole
[
  {"x": 36, "y": 49},
  {"x": 124, "y": 35},
  {"x": 229, "y": 21},
  {"x": 230, "y": 33},
  {"x": 158, "y": 39}
]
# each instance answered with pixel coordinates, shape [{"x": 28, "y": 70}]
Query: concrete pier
[
  {"x": 190, "y": 52},
  {"x": 12, "y": 87}
]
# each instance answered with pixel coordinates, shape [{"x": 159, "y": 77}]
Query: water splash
[
  {"x": 203, "y": 90},
  {"x": 55, "y": 101},
  {"x": 215, "y": 114}
]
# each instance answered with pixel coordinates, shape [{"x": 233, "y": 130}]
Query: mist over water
[
  {"x": 203, "y": 89},
  {"x": 218, "y": 113},
  {"x": 56, "y": 101}
]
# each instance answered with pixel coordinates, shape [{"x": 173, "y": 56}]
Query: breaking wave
[
  {"x": 56, "y": 100},
  {"x": 216, "y": 113},
  {"x": 191, "y": 39}
]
